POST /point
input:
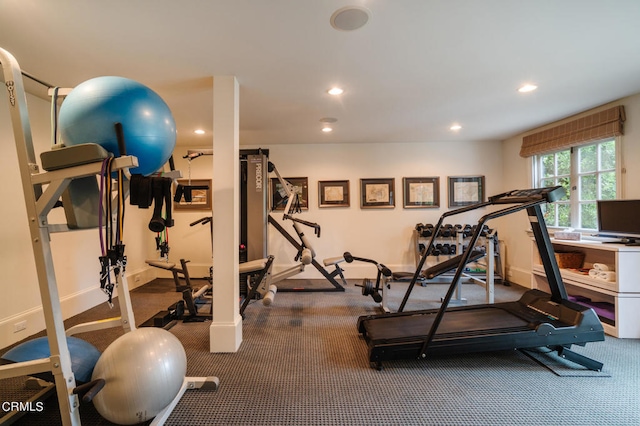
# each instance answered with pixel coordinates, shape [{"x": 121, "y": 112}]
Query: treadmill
[{"x": 538, "y": 319}]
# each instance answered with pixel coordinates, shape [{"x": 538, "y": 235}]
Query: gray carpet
[{"x": 302, "y": 362}]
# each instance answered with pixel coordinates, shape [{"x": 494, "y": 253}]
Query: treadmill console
[{"x": 547, "y": 194}]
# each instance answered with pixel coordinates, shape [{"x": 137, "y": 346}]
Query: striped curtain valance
[{"x": 598, "y": 126}]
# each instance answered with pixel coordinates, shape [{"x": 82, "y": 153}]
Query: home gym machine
[
  {"x": 195, "y": 305},
  {"x": 536, "y": 320},
  {"x": 255, "y": 217},
  {"x": 261, "y": 282}
]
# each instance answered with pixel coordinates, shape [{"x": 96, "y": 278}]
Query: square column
[{"x": 225, "y": 331}]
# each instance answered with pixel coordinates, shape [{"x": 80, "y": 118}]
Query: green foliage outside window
[{"x": 587, "y": 174}]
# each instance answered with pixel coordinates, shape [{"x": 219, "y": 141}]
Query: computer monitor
[{"x": 619, "y": 219}]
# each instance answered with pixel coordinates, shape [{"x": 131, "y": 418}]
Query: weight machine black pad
[{"x": 71, "y": 156}]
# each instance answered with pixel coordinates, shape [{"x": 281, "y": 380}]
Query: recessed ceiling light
[
  {"x": 326, "y": 123},
  {"x": 527, "y": 88},
  {"x": 455, "y": 127},
  {"x": 199, "y": 132},
  {"x": 335, "y": 91}
]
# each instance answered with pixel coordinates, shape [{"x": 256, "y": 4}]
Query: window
[{"x": 588, "y": 173}]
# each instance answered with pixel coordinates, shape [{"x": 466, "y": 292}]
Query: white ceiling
[{"x": 416, "y": 68}]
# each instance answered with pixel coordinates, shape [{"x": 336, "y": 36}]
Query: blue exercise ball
[
  {"x": 89, "y": 114},
  {"x": 84, "y": 355}
]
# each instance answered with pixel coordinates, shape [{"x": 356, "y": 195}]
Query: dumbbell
[
  {"x": 445, "y": 231},
  {"x": 424, "y": 230},
  {"x": 486, "y": 231}
]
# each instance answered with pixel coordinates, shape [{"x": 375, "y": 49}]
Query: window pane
[
  {"x": 547, "y": 182},
  {"x": 587, "y": 173},
  {"x": 588, "y": 158},
  {"x": 564, "y": 215},
  {"x": 608, "y": 186},
  {"x": 588, "y": 216},
  {"x": 564, "y": 162},
  {"x": 566, "y": 184},
  {"x": 549, "y": 214},
  {"x": 547, "y": 163},
  {"x": 608, "y": 155},
  {"x": 588, "y": 188}
]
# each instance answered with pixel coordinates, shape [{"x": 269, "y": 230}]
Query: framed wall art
[
  {"x": 300, "y": 187},
  {"x": 333, "y": 193},
  {"x": 465, "y": 190},
  {"x": 194, "y": 195},
  {"x": 377, "y": 193},
  {"x": 421, "y": 192}
]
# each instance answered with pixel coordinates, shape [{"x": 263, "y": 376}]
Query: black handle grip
[
  {"x": 89, "y": 390},
  {"x": 203, "y": 220},
  {"x": 120, "y": 137},
  {"x": 385, "y": 271}
]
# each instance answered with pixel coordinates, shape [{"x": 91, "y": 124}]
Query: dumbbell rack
[{"x": 456, "y": 244}]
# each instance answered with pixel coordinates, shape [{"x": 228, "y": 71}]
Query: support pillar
[{"x": 225, "y": 331}]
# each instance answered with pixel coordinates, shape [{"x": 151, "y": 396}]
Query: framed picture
[
  {"x": 465, "y": 190},
  {"x": 194, "y": 195},
  {"x": 333, "y": 193},
  {"x": 300, "y": 187},
  {"x": 377, "y": 193},
  {"x": 421, "y": 192}
]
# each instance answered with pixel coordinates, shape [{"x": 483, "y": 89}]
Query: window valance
[{"x": 601, "y": 125}]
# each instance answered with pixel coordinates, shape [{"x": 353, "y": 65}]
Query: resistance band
[{"x": 111, "y": 247}]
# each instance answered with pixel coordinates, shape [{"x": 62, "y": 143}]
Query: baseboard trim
[{"x": 70, "y": 305}]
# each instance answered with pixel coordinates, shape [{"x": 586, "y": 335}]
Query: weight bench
[
  {"x": 259, "y": 273},
  {"x": 191, "y": 298},
  {"x": 177, "y": 272},
  {"x": 408, "y": 276},
  {"x": 335, "y": 261}
]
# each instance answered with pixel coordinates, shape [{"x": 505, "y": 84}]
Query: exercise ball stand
[{"x": 41, "y": 191}]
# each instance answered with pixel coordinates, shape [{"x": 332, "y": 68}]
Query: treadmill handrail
[
  {"x": 436, "y": 229},
  {"x": 550, "y": 194}
]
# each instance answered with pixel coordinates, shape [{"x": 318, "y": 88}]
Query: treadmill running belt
[{"x": 485, "y": 319}]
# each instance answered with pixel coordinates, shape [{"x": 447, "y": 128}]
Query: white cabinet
[{"x": 616, "y": 302}]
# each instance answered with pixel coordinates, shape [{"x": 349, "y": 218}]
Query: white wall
[
  {"x": 75, "y": 254},
  {"x": 381, "y": 234},
  {"x": 518, "y": 171}
]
